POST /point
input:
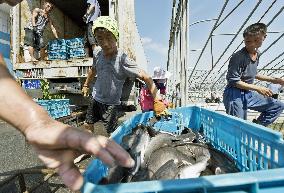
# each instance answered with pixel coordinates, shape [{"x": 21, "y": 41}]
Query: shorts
[
  {"x": 90, "y": 37},
  {"x": 33, "y": 39},
  {"x": 107, "y": 114}
]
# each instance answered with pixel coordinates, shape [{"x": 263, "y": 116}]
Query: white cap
[{"x": 159, "y": 73}]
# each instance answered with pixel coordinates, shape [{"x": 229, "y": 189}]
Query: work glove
[
  {"x": 85, "y": 91},
  {"x": 170, "y": 105},
  {"x": 159, "y": 107}
]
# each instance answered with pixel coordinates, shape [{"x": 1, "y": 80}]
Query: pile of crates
[
  {"x": 64, "y": 49},
  {"x": 56, "y": 108},
  {"x": 57, "y": 50},
  {"x": 76, "y": 48}
]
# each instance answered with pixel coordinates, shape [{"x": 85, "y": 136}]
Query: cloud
[
  {"x": 150, "y": 45},
  {"x": 146, "y": 40}
]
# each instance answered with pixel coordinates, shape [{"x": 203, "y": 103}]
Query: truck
[{"x": 67, "y": 76}]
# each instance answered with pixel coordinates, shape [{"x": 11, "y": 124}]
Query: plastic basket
[
  {"x": 59, "y": 44},
  {"x": 64, "y": 49},
  {"x": 172, "y": 125},
  {"x": 253, "y": 147},
  {"x": 75, "y": 43},
  {"x": 56, "y": 108},
  {"x": 58, "y": 55},
  {"x": 77, "y": 53}
]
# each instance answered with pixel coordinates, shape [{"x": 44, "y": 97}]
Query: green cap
[{"x": 108, "y": 23}]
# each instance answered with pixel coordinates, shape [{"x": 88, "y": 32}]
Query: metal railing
[{"x": 193, "y": 80}]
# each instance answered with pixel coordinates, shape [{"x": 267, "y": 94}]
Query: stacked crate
[
  {"x": 76, "y": 48},
  {"x": 62, "y": 49},
  {"x": 57, "y": 50},
  {"x": 56, "y": 108}
]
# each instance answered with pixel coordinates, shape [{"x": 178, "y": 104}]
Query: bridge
[{"x": 197, "y": 72}]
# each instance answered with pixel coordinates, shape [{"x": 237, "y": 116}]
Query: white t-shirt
[
  {"x": 96, "y": 13},
  {"x": 275, "y": 88}
]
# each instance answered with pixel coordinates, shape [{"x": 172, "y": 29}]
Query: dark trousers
[{"x": 107, "y": 114}]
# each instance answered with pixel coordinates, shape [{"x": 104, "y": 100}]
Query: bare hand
[
  {"x": 57, "y": 145},
  {"x": 264, "y": 91}
]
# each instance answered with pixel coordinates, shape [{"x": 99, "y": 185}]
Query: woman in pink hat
[{"x": 160, "y": 78}]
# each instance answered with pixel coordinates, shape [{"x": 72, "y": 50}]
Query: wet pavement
[{"x": 17, "y": 156}]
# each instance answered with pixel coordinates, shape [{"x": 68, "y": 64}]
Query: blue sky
[
  {"x": 199, "y": 33},
  {"x": 153, "y": 20}
]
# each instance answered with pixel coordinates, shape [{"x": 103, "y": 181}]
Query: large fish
[
  {"x": 167, "y": 171},
  {"x": 160, "y": 140},
  {"x": 185, "y": 165},
  {"x": 221, "y": 163},
  {"x": 137, "y": 141},
  {"x": 159, "y": 157},
  {"x": 166, "y": 139}
]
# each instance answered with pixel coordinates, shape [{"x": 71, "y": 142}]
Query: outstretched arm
[
  {"x": 270, "y": 79},
  {"x": 86, "y": 87},
  {"x": 56, "y": 144},
  {"x": 159, "y": 106},
  {"x": 260, "y": 89},
  {"x": 14, "y": 101},
  {"x": 150, "y": 84},
  {"x": 91, "y": 9},
  {"x": 53, "y": 29}
]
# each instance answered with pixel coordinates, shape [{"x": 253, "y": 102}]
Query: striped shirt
[{"x": 40, "y": 23}]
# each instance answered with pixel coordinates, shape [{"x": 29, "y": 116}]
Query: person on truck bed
[
  {"x": 35, "y": 27},
  {"x": 240, "y": 93},
  {"x": 112, "y": 66},
  {"x": 92, "y": 13},
  {"x": 56, "y": 144}
]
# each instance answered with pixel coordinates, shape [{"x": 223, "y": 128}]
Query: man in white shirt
[{"x": 92, "y": 13}]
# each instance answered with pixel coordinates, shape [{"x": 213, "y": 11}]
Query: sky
[
  {"x": 199, "y": 33},
  {"x": 153, "y": 20}
]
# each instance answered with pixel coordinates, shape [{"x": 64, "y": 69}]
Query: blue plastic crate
[
  {"x": 31, "y": 84},
  {"x": 56, "y": 108},
  {"x": 58, "y": 55},
  {"x": 75, "y": 43},
  {"x": 63, "y": 49},
  {"x": 253, "y": 147},
  {"x": 77, "y": 53},
  {"x": 59, "y": 44},
  {"x": 173, "y": 125}
]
